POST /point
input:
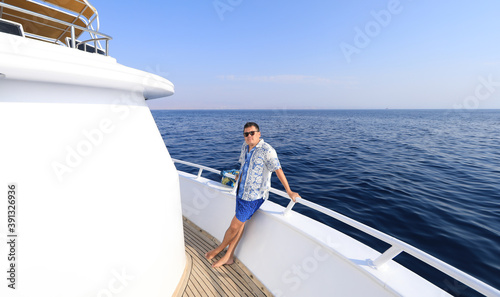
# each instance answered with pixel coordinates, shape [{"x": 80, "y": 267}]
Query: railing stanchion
[
  {"x": 388, "y": 255},
  {"x": 73, "y": 37},
  {"x": 289, "y": 207}
]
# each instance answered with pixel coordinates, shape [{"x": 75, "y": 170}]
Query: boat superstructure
[
  {"x": 55, "y": 21},
  {"x": 94, "y": 208}
]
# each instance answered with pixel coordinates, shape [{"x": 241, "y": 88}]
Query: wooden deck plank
[
  {"x": 228, "y": 280},
  {"x": 204, "y": 283},
  {"x": 209, "y": 277},
  {"x": 188, "y": 292},
  {"x": 219, "y": 275},
  {"x": 223, "y": 286},
  {"x": 234, "y": 278}
]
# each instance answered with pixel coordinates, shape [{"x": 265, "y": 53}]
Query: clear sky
[{"x": 253, "y": 54}]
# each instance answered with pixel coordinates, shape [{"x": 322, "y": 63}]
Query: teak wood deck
[{"x": 200, "y": 279}]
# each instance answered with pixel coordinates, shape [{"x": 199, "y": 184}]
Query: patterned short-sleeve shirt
[{"x": 263, "y": 163}]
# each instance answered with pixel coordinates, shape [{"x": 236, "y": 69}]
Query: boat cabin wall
[{"x": 99, "y": 207}]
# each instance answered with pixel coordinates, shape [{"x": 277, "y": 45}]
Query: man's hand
[{"x": 293, "y": 196}]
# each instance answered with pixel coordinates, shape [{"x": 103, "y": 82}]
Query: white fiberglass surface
[{"x": 98, "y": 207}]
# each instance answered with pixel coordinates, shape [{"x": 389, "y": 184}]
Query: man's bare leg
[
  {"x": 228, "y": 258},
  {"x": 231, "y": 233},
  {"x": 234, "y": 243}
]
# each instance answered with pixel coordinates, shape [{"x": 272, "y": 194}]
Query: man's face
[{"x": 250, "y": 139}]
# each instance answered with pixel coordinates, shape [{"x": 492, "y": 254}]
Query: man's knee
[{"x": 236, "y": 224}]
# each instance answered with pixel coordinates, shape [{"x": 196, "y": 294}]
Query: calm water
[{"x": 429, "y": 178}]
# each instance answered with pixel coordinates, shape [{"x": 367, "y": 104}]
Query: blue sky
[{"x": 253, "y": 54}]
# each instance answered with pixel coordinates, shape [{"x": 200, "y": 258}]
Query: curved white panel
[{"x": 98, "y": 204}]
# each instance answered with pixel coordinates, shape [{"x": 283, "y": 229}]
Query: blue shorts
[{"x": 245, "y": 209}]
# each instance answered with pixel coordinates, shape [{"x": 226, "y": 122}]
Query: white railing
[
  {"x": 98, "y": 36},
  {"x": 201, "y": 168},
  {"x": 397, "y": 246}
]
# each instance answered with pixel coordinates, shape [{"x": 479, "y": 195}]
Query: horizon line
[{"x": 454, "y": 109}]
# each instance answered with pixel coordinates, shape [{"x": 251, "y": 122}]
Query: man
[{"x": 258, "y": 161}]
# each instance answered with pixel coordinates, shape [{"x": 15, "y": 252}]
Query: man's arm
[{"x": 283, "y": 180}]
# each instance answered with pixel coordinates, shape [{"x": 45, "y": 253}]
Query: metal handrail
[
  {"x": 397, "y": 246},
  {"x": 95, "y": 40},
  {"x": 105, "y": 37},
  {"x": 200, "y": 167}
]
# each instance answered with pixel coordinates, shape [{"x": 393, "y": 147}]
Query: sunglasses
[{"x": 249, "y": 133}]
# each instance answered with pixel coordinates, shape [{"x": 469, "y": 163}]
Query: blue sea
[{"x": 428, "y": 177}]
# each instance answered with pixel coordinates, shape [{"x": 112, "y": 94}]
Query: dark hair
[{"x": 251, "y": 124}]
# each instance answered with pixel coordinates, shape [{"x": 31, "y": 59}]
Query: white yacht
[{"x": 93, "y": 204}]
